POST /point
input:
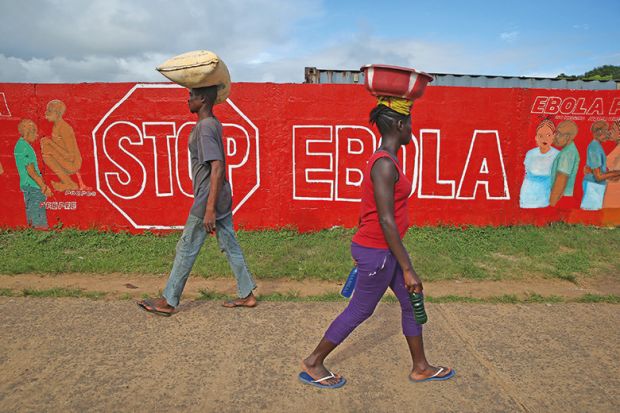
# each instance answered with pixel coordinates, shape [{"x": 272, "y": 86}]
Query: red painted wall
[{"x": 294, "y": 152}]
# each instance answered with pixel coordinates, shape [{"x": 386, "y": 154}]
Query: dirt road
[{"x": 83, "y": 355}]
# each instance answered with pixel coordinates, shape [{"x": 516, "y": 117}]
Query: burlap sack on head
[{"x": 200, "y": 68}]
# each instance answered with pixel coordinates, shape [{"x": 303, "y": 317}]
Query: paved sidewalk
[{"x": 81, "y": 355}]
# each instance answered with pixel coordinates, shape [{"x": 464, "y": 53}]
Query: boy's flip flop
[
  {"x": 147, "y": 305},
  {"x": 436, "y": 376},
  {"x": 237, "y": 303},
  {"x": 307, "y": 379}
]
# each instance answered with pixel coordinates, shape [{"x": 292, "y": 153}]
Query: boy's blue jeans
[
  {"x": 188, "y": 247},
  {"x": 35, "y": 213}
]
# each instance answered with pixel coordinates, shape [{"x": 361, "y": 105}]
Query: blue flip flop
[
  {"x": 435, "y": 377},
  {"x": 307, "y": 379}
]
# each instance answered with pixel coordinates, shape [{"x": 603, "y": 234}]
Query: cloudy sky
[{"x": 272, "y": 41}]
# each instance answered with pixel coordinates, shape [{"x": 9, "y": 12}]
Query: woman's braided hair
[
  {"x": 385, "y": 118},
  {"x": 546, "y": 122}
]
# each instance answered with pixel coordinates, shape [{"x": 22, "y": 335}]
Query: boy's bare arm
[
  {"x": 70, "y": 140},
  {"x": 558, "y": 188},
  {"x": 66, "y": 142},
  {"x": 600, "y": 176},
  {"x": 217, "y": 180},
  {"x": 38, "y": 179},
  {"x": 56, "y": 141}
]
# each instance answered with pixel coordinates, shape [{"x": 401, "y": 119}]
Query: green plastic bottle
[{"x": 417, "y": 301}]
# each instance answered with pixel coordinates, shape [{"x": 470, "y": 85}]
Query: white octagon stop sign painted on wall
[{"x": 142, "y": 161}]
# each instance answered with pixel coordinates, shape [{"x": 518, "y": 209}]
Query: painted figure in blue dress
[{"x": 536, "y": 186}]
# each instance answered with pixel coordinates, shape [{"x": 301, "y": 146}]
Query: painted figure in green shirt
[
  {"x": 566, "y": 164},
  {"x": 31, "y": 182}
]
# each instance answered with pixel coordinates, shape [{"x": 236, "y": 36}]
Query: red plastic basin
[{"x": 396, "y": 81}]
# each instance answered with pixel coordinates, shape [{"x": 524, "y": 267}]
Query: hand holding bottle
[{"x": 413, "y": 283}]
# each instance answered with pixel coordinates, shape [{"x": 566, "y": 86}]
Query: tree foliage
[{"x": 605, "y": 72}]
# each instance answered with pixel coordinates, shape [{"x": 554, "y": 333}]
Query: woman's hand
[{"x": 412, "y": 281}]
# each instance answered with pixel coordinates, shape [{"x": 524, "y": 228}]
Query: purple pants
[{"x": 376, "y": 270}]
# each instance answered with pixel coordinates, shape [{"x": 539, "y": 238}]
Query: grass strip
[
  {"x": 596, "y": 298},
  {"x": 439, "y": 253},
  {"x": 7, "y": 292},
  {"x": 294, "y": 296},
  {"x": 53, "y": 292}
]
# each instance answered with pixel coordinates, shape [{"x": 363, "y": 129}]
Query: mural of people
[
  {"x": 31, "y": 182},
  {"x": 565, "y": 164},
  {"x": 60, "y": 151},
  {"x": 536, "y": 187},
  {"x": 596, "y": 175},
  {"x": 612, "y": 194}
]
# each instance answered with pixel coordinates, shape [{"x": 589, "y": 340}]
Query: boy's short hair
[
  {"x": 574, "y": 129},
  {"x": 209, "y": 93},
  {"x": 58, "y": 106},
  {"x": 21, "y": 126},
  {"x": 599, "y": 126}
]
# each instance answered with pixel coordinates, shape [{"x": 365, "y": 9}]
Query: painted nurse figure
[{"x": 536, "y": 186}]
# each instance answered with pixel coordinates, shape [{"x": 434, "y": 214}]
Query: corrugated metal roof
[{"x": 314, "y": 75}]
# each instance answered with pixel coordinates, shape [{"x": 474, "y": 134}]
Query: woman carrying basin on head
[{"x": 381, "y": 257}]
